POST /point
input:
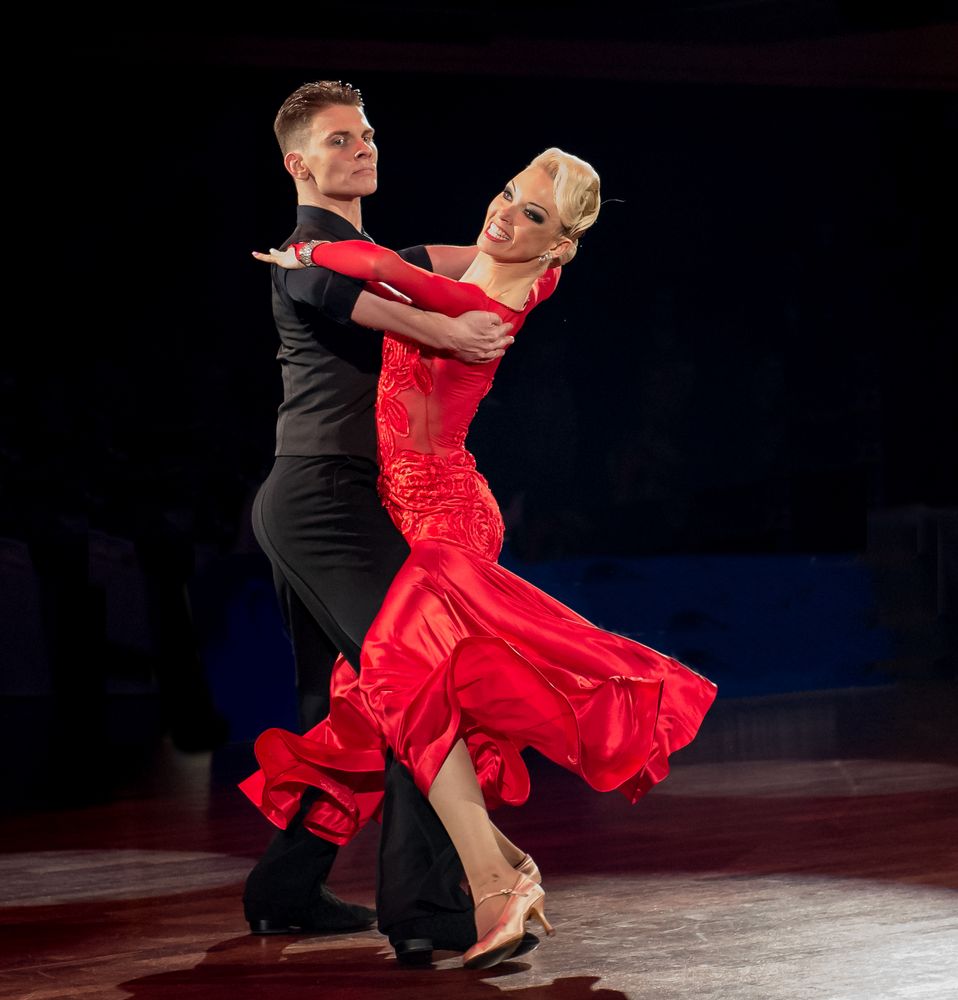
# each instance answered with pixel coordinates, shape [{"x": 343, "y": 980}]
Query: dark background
[
  {"x": 753, "y": 353},
  {"x": 754, "y": 347}
]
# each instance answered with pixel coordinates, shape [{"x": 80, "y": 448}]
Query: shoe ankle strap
[{"x": 502, "y": 892}]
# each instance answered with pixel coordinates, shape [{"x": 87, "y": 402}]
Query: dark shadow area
[{"x": 244, "y": 968}]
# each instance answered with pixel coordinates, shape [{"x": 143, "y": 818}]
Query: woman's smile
[{"x": 496, "y": 233}]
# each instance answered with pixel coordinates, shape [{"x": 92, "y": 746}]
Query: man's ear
[{"x": 296, "y": 165}]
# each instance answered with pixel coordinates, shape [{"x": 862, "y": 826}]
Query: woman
[{"x": 467, "y": 664}]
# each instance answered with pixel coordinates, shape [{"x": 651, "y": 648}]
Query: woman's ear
[
  {"x": 296, "y": 165},
  {"x": 563, "y": 251}
]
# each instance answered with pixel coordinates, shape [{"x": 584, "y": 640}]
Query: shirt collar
[{"x": 329, "y": 222}]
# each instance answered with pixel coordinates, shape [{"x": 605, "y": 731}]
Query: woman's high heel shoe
[
  {"x": 530, "y": 869},
  {"x": 525, "y": 899}
]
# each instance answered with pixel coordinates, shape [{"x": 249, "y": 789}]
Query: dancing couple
[{"x": 450, "y": 665}]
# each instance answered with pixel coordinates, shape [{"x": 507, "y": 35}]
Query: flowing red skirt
[{"x": 463, "y": 648}]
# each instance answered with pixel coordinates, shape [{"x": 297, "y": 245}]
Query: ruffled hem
[
  {"x": 340, "y": 762},
  {"x": 464, "y": 649}
]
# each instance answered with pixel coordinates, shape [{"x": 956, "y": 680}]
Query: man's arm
[
  {"x": 451, "y": 261},
  {"x": 474, "y": 337}
]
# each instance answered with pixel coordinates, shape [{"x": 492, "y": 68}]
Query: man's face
[{"x": 340, "y": 153}]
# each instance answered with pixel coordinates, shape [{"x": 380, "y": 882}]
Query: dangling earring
[{"x": 544, "y": 258}]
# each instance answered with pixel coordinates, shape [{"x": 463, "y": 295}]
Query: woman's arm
[
  {"x": 370, "y": 262},
  {"x": 474, "y": 336}
]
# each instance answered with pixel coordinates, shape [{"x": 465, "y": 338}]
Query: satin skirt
[{"x": 464, "y": 649}]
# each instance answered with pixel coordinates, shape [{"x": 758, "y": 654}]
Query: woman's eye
[
  {"x": 507, "y": 194},
  {"x": 534, "y": 216}
]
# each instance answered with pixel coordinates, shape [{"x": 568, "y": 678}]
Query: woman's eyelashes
[{"x": 530, "y": 213}]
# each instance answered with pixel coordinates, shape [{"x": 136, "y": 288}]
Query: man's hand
[{"x": 477, "y": 337}]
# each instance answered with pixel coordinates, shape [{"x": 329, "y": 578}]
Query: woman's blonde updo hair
[{"x": 576, "y": 188}]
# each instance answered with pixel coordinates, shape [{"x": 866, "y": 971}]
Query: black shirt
[{"x": 330, "y": 365}]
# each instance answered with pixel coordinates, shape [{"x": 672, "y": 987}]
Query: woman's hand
[{"x": 284, "y": 258}]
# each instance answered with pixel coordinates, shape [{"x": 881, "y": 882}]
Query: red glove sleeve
[{"x": 371, "y": 262}]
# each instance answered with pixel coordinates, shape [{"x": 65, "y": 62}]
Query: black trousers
[{"x": 334, "y": 552}]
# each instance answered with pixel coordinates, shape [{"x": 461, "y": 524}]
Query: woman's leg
[
  {"x": 510, "y": 852},
  {"x": 457, "y": 799}
]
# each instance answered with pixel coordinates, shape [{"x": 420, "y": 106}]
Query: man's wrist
[
  {"x": 437, "y": 331},
  {"x": 446, "y": 328}
]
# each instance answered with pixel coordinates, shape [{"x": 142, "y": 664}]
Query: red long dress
[{"x": 463, "y": 648}]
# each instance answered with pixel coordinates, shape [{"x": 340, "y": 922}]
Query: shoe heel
[
  {"x": 414, "y": 951},
  {"x": 538, "y": 912},
  {"x": 274, "y": 927}
]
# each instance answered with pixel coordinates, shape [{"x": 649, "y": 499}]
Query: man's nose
[{"x": 363, "y": 148}]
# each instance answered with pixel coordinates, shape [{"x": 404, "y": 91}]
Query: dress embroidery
[{"x": 433, "y": 490}]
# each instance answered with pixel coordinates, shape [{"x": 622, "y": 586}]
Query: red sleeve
[
  {"x": 371, "y": 262},
  {"x": 385, "y": 291}
]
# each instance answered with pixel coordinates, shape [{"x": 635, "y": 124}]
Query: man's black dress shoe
[{"x": 325, "y": 914}]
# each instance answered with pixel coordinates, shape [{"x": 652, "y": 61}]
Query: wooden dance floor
[{"x": 805, "y": 847}]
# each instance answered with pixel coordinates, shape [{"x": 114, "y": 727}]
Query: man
[{"x": 333, "y": 548}]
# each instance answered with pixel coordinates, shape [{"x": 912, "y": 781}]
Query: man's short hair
[{"x": 296, "y": 115}]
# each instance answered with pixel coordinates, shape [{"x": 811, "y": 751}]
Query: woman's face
[{"x": 522, "y": 222}]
